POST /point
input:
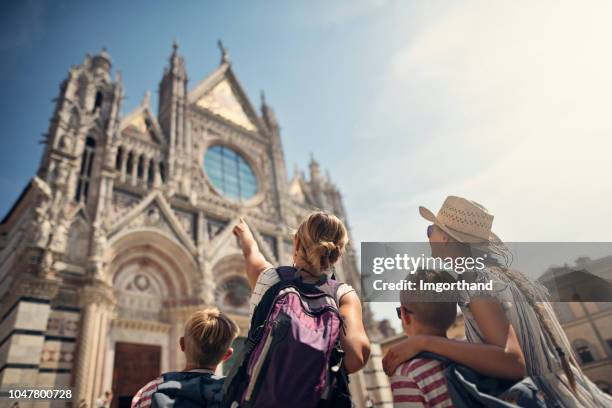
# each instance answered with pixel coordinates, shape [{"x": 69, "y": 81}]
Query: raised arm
[
  {"x": 499, "y": 356},
  {"x": 354, "y": 340},
  {"x": 256, "y": 263}
]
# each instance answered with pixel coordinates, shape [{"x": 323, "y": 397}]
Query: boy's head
[
  {"x": 427, "y": 311},
  {"x": 208, "y": 336}
]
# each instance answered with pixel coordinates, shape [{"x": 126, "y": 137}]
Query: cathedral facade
[{"x": 126, "y": 229}]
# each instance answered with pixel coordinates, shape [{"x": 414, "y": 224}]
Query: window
[
  {"x": 119, "y": 158},
  {"x": 230, "y": 173},
  {"x": 162, "y": 171},
  {"x": 151, "y": 175},
  {"x": 584, "y": 351},
  {"x": 140, "y": 170},
  {"x": 82, "y": 190},
  {"x": 97, "y": 102},
  {"x": 130, "y": 163}
]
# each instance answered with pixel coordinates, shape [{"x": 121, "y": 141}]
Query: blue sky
[
  {"x": 313, "y": 67},
  {"x": 506, "y": 103}
]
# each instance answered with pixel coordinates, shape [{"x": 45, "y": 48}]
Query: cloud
[
  {"x": 506, "y": 103},
  {"x": 503, "y": 103}
]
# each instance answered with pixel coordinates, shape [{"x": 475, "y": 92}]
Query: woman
[
  {"x": 317, "y": 245},
  {"x": 511, "y": 331}
]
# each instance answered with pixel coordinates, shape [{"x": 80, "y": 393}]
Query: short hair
[
  {"x": 208, "y": 335},
  {"x": 434, "y": 309}
]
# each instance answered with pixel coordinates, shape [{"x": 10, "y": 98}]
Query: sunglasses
[
  {"x": 398, "y": 310},
  {"x": 429, "y": 230}
]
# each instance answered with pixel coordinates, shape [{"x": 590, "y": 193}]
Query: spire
[
  {"x": 102, "y": 61},
  {"x": 146, "y": 100},
  {"x": 314, "y": 168},
  {"x": 177, "y": 63},
  {"x": 267, "y": 114},
  {"x": 225, "y": 58}
]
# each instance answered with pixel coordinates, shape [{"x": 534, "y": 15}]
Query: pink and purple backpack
[{"x": 292, "y": 357}]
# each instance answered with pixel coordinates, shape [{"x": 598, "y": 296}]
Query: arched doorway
[{"x": 156, "y": 284}]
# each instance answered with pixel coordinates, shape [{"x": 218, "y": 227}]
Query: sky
[{"x": 404, "y": 102}]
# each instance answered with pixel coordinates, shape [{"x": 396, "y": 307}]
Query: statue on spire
[{"x": 225, "y": 59}]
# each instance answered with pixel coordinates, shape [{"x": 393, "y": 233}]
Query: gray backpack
[{"x": 468, "y": 389}]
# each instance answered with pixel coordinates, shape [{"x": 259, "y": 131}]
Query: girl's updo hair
[{"x": 322, "y": 238}]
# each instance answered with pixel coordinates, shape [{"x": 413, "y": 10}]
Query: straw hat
[{"x": 464, "y": 220}]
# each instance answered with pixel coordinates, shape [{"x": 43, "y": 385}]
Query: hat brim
[{"x": 458, "y": 235}]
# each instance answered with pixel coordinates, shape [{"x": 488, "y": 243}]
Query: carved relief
[
  {"x": 122, "y": 202},
  {"x": 139, "y": 295}
]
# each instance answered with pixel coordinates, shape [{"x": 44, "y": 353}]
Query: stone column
[
  {"x": 26, "y": 309},
  {"x": 134, "y": 169},
  {"x": 145, "y": 172},
  {"x": 122, "y": 172},
  {"x": 97, "y": 308}
]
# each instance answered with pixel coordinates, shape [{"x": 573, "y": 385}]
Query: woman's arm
[
  {"x": 499, "y": 356},
  {"x": 254, "y": 259},
  {"x": 354, "y": 340}
]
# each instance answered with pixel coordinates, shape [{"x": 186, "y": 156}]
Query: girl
[
  {"x": 511, "y": 331},
  {"x": 317, "y": 245}
]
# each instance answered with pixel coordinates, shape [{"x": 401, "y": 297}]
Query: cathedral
[{"x": 126, "y": 229}]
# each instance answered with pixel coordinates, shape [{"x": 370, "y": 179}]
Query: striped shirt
[{"x": 420, "y": 382}]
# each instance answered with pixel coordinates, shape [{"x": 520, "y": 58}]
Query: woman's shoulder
[
  {"x": 343, "y": 289},
  {"x": 486, "y": 282}
]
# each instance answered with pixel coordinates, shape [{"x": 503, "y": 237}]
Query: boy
[
  {"x": 420, "y": 382},
  {"x": 206, "y": 343}
]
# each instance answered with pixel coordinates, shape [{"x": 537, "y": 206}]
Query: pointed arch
[
  {"x": 77, "y": 244},
  {"x": 172, "y": 264}
]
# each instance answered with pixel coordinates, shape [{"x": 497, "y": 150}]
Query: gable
[
  {"x": 222, "y": 100},
  {"x": 154, "y": 212},
  {"x": 142, "y": 124}
]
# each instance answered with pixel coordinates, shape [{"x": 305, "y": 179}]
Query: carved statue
[
  {"x": 42, "y": 223},
  {"x": 41, "y": 239},
  {"x": 58, "y": 243},
  {"x": 99, "y": 239}
]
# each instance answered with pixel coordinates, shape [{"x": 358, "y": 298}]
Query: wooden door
[{"x": 135, "y": 365}]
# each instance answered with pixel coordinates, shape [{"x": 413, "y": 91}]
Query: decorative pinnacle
[
  {"x": 224, "y": 54},
  {"x": 146, "y": 100}
]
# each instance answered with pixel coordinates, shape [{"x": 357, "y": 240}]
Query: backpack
[
  {"x": 292, "y": 356},
  {"x": 188, "y": 390},
  {"x": 468, "y": 389}
]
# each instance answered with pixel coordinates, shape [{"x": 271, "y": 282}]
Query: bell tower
[
  {"x": 85, "y": 114},
  {"x": 172, "y": 114}
]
